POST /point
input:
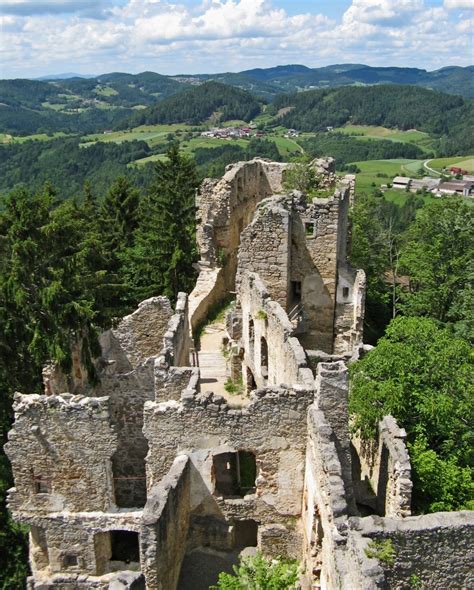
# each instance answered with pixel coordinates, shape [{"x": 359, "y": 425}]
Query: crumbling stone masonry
[{"x": 149, "y": 480}]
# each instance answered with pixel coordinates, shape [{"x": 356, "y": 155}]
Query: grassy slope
[
  {"x": 367, "y": 177},
  {"x": 466, "y": 162},
  {"x": 364, "y": 132}
]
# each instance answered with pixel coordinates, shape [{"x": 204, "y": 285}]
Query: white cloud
[
  {"x": 383, "y": 12},
  {"x": 459, "y": 4},
  {"x": 220, "y": 35}
]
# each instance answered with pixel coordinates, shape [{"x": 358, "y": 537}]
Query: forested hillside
[
  {"x": 25, "y": 121},
  {"x": 212, "y": 99},
  {"x": 346, "y": 149},
  {"x": 78, "y": 105},
  {"x": 67, "y": 165},
  {"x": 450, "y": 118}
]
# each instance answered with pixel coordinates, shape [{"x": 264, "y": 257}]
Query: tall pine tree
[{"x": 160, "y": 263}]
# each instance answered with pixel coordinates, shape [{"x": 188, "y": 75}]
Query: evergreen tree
[
  {"x": 165, "y": 248},
  {"x": 119, "y": 214}
]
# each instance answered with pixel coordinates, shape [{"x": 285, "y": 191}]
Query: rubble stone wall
[
  {"x": 60, "y": 448},
  {"x": 332, "y": 389},
  {"x": 325, "y": 509},
  {"x": 385, "y": 463},
  {"x": 349, "y": 312},
  {"x": 224, "y": 208},
  {"x": 176, "y": 338},
  {"x": 128, "y": 393},
  {"x": 265, "y": 249},
  {"x": 286, "y": 358},
  {"x": 165, "y": 527},
  {"x": 272, "y": 426},
  {"x": 141, "y": 333},
  {"x": 433, "y": 550}
]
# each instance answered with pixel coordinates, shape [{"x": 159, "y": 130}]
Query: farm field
[
  {"x": 382, "y": 172},
  {"x": 365, "y": 132},
  {"x": 6, "y": 138},
  {"x": 152, "y": 134},
  {"x": 466, "y": 162}
]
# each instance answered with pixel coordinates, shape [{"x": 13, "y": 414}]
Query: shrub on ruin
[{"x": 258, "y": 573}]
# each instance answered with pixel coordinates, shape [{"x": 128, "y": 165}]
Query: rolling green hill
[
  {"x": 199, "y": 104},
  {"x": 81, "y": 104},
  {"x": 448, "y": 118}
]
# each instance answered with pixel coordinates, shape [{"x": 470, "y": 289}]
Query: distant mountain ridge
[
  {"x": 103, "y": 102},
  {"x": 272, "y": 81},
  {"x": 65, "y": 76}
]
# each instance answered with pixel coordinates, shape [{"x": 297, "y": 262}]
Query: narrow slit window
[{"x": 309, "y": 229}]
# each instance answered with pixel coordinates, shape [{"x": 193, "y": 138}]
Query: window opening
[
  {"x": 245, "y": 533},
  {"x": 309, "y": 228},
  {"x": 42, "y": 485},
  {"x": 345, "y": 292},
  {"x": 125, "y": 546},
  {"x": 296, "y": 291},
  {"x": 234, "y": 473},
  {"x": 70, "y": 560},
  {"x": 264, "y": 358}
]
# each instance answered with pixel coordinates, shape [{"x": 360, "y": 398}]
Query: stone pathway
[{"x": 213, "y": 364}]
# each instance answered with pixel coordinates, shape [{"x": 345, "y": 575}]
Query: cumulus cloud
[
  {"x": 218, "y": 35},
  {"x": 459, "y": 4},
  {"x": 397, "y": 13}
]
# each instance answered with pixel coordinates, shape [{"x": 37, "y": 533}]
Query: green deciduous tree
[
  {"x": 423, "y": 376},
  {"x": 437, "y": 257},
  {"x": 160, "y": 262}
]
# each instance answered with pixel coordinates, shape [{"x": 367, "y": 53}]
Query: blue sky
[{"x": 41, "y": 37}]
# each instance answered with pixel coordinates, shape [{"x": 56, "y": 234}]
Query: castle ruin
[{"x": 151, "y": 479}]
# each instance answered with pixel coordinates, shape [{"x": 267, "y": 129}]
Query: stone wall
[
  {"x": 151, "y": 340},
  {"x": 165, "y": 527},
  {"x": 224, "y": 208},
  {"x": 273, "y": 426},
  {"x": 141, "y": 333},
  {"x": 332, "y": 389},
  {"x": 60, "y": 449},
  {"x": 384, "y": 465},
  {"x": 176, "y": 338},
  {"x": 265, "y": 249},
  {"x": 325, "y": 510},
  {"x": 286, "y": 357},
  {"x": 350, "y": 307},
  {"x": 128, "y": 393},
  {"x": 80, "y": 534},
  {"x": 434, "y": 551},
  {"x": 314, "y": 263}
]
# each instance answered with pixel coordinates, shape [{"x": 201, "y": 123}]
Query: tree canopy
[
  {"x": 423, "y": 376},
  {"x": 438, "y": 258}
]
